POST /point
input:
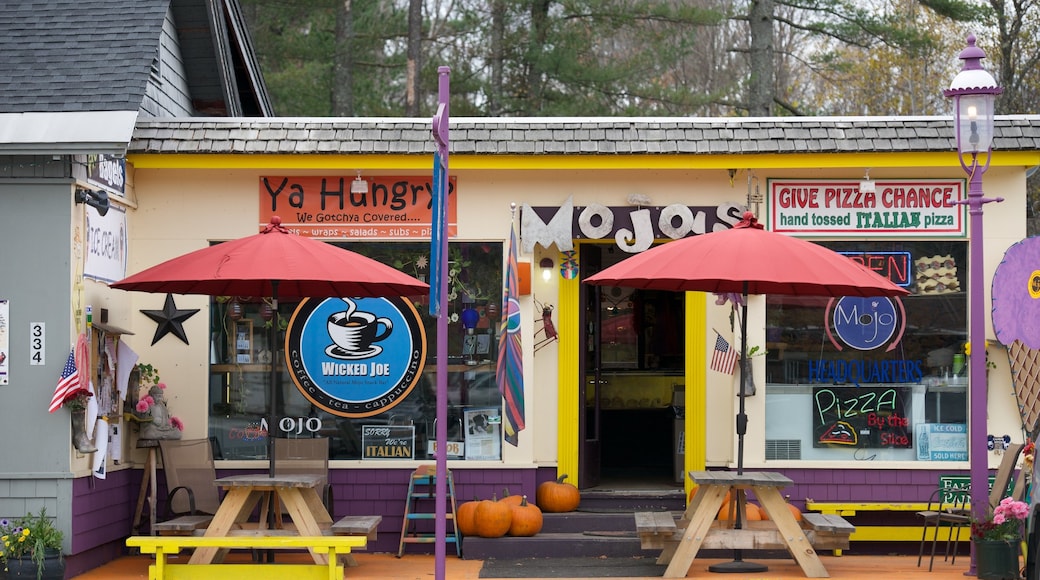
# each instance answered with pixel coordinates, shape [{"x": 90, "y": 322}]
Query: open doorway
[{"x": 632, "y": 365}]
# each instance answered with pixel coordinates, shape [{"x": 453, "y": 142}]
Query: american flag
[
  {"x": 68, "y": 385},
  {"x": 724, "y": 357}
]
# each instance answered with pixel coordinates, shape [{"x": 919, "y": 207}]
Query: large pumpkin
[
  {"x": 465, "y": 517},
  {"x": 492, "y": 518},
  {"x": 527, "y": 519},
  {"x": 510, "y": 499},
  {"x": 797, "y": 513},
  {"x": 557, "y": 496}
]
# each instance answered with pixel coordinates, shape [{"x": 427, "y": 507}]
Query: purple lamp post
[{"x": 973, "y": 91}]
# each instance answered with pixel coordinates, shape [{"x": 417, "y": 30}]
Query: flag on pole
[
  {"x": 510, "y": 370},
  {"x": 724, "y": 356},
  {"x": 438, "y": 226},
  {"x": 68, "y": 384}
]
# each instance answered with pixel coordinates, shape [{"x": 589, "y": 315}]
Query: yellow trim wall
[{"x": 184, "y": 201}]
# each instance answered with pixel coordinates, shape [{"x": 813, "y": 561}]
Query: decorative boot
[{"x": 79, "y": 433}]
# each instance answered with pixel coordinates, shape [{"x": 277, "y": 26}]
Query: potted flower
[
  {"x": 32, "y": 547},
  {"x": 997, "y": 540}
]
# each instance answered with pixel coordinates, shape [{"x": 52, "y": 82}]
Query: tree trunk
[
  {"x": 498, "y": 27},
  {"x": 760, "y": 84},
  {"x": 343, "y": 62},
  {"x": 411, "y": 97}
]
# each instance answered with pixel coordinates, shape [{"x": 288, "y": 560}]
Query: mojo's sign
[
  {"x": 907, "y": 208},
  {"x": 326, "y": 207},
  {"x": 355, "y": 357}
]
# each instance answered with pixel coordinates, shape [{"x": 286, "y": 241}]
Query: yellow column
[
  {"x": 568, "y": 407},
  {"x": 696, "y": 385}
]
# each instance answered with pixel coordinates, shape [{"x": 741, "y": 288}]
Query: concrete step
[{"x": 555, "y": 545}]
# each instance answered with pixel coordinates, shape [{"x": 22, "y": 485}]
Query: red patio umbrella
[
  {"x": 274, "y": 263},
  {"x": 746, "y": 260}
]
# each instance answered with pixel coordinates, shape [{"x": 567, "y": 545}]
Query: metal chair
[
  {"x": 952, "y": 508},
  {"x": 189, "y": 471},
  {"x": 309, "y": 456}
]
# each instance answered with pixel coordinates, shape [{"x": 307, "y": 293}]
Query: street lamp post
[{"x": 973, "y": 91}]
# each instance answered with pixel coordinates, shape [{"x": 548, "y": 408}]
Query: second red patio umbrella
[
  {"x": 277, "y": 264},
  {"x": 746, "y": 259}
]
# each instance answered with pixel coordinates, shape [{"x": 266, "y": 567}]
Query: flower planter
[
  {"x": 53, "y": 567},
  {"x": 997, "y": 559}
]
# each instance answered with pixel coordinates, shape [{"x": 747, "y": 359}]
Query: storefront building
[{"x": 853, "y": 400}]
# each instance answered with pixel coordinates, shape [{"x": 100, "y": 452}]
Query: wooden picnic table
[
  {"x": 297, "y": 493},
  {"x": 700, "y": 514}
]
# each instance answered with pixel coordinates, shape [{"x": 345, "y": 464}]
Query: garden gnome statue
[{"x": 160, "y": 427}]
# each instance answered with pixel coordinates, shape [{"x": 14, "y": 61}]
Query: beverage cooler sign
[
  {"x": 870, "y": 417},
  {"x": 910, "y": 208}
]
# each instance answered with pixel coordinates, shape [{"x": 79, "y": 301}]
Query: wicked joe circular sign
[{"x": 355, "y": 357}]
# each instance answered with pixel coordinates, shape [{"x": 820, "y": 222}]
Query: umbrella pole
[
  {"x": 738, "y": 565},
  {"x": 272, "y": 429}
]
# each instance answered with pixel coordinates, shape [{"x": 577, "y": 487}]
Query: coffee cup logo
[{"x": 354, "y": 333}]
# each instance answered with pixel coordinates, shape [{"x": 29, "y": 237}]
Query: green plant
[
  {"x": 29, "y": 537},
  {"x": 1005, "y": 524}
]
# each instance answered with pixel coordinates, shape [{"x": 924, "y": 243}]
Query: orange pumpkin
[
  {"x": 557, "y": 496},
  {"x": 752, "y": 512},
  {"x": 510, "y": 499},
  {"x": 527, "y": 519},
  {"x": 797, "y": 513},
  {"x": 465, "y": 517},
  {"x": 724, "y": 510},
  {"x": 492, "y": 518}
]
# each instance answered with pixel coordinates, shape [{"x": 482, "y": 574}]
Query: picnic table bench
[
  {"x": 680, "y": 539},
  {"x": 164, "y": 546}
]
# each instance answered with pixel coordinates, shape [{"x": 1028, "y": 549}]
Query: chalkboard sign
[
  {"x": 388, "y": 441},
  {"x": 870, "y": 417}
]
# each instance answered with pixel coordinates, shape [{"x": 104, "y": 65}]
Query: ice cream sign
[{"x": 904, "y": 208}]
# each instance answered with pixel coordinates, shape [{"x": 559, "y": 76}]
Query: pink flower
[
  {"x": 176, "y": 422},
  {"x": 144, "y": 404},
  {"x": 161, "y": 386},
  {"x": 999, "y": 518}
]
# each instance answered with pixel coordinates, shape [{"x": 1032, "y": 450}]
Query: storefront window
[
  {"x": 873, "y": 378},
  {"x": 243, "y": 333}
]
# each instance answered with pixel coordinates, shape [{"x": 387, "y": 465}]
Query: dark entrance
[{"x": 633, "y": 359}]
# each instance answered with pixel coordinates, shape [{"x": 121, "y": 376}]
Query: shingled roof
[
  {"x": 77, "y": 55},
  {"x": 566, "y": 136}
]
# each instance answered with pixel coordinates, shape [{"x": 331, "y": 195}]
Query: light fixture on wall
[
  {"x": 358, "y": 185},
  {"x": 547, "y": 266},
  {"x": 97, "y": 199},
  {"x": 867, "y": 185}
]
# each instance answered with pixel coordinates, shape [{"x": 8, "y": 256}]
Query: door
[
  {"x": 632, "y": 360},
  {"x": 589, "y": 391}
]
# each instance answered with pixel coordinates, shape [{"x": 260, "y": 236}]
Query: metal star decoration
[{"x": 170, "y": 319}]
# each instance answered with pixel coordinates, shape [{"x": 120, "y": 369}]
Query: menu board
[{"x": 869, "y": 417}]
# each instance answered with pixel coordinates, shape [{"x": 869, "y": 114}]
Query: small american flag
[
  {"x": 724, "y": 357},
  {"x": 68, "y": 385}
]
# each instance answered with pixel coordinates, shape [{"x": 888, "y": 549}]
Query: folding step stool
[{"x": 418, "y": 497}]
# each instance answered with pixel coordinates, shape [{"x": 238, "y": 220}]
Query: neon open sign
[{"x": 896, "y": 266}]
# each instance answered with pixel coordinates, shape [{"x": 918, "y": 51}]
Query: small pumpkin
[
  {"x": 557, "y": 496},
  {"x": 465, "y": 517},
  {"x": 510, "y": 499},
  {"x": 527, "y": 519},
  {"x": 492, "y": 518}
]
